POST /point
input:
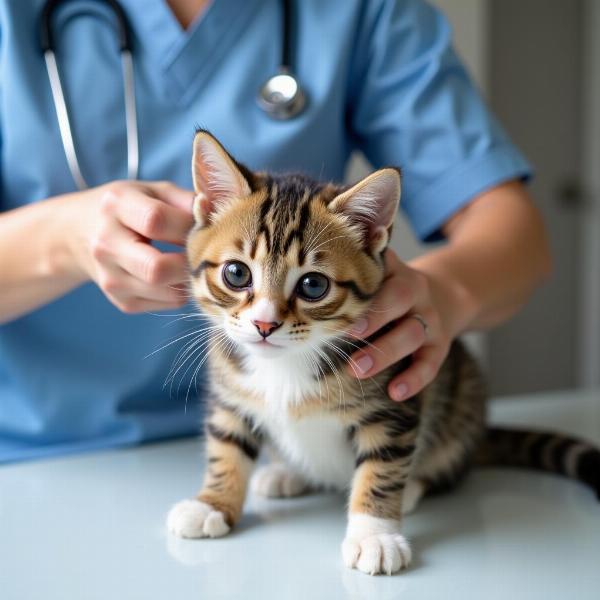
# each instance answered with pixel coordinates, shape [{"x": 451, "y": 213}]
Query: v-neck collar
[{"x": 186, "y": 57}]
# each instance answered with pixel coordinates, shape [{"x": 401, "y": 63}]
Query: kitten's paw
[
  {"x": 379, "y": 553},
  {"x": 195, "y": 519},
  {"x": 277, "y": 481},
  {"x": 413, "y": 492},
  {"x": 373, "y": 545}
]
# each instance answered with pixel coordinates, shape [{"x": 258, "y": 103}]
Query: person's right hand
[{"x": 109, "y": 238}]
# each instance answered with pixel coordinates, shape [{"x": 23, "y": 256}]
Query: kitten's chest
[
  {"x": 296, "y": 413},
  {"x": 317, "y": 445}
]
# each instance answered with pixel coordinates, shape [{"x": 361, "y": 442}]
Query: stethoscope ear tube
[
  {"x": 281, "y": 96},
  {"x": 60, "y": 105},
  {"x": 62, "y": 114},
  {"x": 47, "y": 37}
]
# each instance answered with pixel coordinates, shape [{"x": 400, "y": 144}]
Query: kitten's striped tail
[{"x": 553, "y": 452}]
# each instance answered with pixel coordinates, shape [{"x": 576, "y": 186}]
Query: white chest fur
[
  {"x": 281, "y": 381},
  {"x": 317, "y": 445}
]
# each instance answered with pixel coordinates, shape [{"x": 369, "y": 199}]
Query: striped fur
[{"x": 291, "y": 390}]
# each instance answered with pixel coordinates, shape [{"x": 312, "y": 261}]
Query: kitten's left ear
[
  {"x": 371, "y": 205},
  {"x": 218, "y": 179}
]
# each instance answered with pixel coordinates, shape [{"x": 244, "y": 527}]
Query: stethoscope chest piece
[{"x": 281, "y": 97}]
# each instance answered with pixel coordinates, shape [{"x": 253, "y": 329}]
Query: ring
[{"x": 421, "y": 320}]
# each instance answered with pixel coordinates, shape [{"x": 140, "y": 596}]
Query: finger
[
  {"x": 395, "y": 298},
  {"x": 148, "y": 216},
  {"x": 402, "y": 288},
  {"x": 425, "y": 366},
  {"x": 121, "y": 287},
  {"x": 391, "y": 261},
  {"x": 148, "y": 264},
  {"x": 175, "y": 196},
  {"x": 404, "y": 339},
  {"x": 140, "y": 305}
]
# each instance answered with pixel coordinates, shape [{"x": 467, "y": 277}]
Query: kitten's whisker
[
  {"x": 181, "y": 337},
  {"x": 370, "y": 378},
  {"x": 335, "y": 237},
  {"x": 313, "y": 240},
  {"x": 152, "y": 314},
  {"x": 355, "y": 337},
  {"x": 199, "y": 366},
  {"x": 180, "y": 361},
  {"x": 350, "y": 361},
  {"x": 191, "y": 350},
  {"x": 248, "y": 236},
  {"x": 379, "y": 310},
  {"x": 316, "y": 350},
  {"x": 189, "y": 344},
  {"x": 203, "y": 343},
  {"x": 335, "y": 372},
  {"x": 229, "y": 345},
  {"x": 218, "y": 337},
  {"x": 192, "y": 316},
  {"x": 311, "y": 364}
]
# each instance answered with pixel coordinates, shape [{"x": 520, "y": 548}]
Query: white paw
[
  {"x": 277, "y": 481},
  {"x": 373, "y": 545},
  {"x": 195, "y": 519},
  {"x": 413, "y": 492},
  {"x": 379, "y": 553}
]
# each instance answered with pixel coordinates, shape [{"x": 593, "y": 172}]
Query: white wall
[{"x": 469, "y": 19}]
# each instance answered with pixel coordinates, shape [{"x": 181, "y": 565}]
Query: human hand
[
  {"x": 408, "y": 303},
  {"x": 109, "y": 236}
]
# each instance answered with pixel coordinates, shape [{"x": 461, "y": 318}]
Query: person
[{"x": 83, "y": 274}]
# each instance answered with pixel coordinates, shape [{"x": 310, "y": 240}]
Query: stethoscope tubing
[
  {"x": 281, "y": 97},
  {"x": 62, "y": 112}
]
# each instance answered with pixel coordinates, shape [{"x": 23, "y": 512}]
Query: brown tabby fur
[{"x": 291, "y": 223}]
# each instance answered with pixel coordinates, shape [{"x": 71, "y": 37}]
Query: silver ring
[{"x": 421, "y": 320}]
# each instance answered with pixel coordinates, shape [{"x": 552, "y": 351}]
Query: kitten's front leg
[
  {"x": 373, "y": 542},
  {"x": 231, "y": 448}
]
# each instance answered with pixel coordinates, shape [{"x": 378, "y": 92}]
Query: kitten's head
[{"x": 282, "y": 263}]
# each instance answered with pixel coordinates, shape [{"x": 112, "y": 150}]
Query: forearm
[
  {"x": 497, "y": 254},
  {"x": 35, "y": 264}
]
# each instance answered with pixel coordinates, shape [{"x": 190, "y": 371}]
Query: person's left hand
[{"x": 406, "y": 299}]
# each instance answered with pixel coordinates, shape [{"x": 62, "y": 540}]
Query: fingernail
[
  {"x": 364, "y": 363},
  {"x": 360, "y": 326},
  {"x": 400, "y": 391}
]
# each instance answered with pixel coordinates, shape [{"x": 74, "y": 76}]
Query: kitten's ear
[
  {"x": 218, "y": 178},
  {"x": 371, "y": 205}
]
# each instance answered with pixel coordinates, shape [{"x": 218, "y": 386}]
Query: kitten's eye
[
  {"x": 312, "y": 286},
  {"x": 237, "y": 275}
]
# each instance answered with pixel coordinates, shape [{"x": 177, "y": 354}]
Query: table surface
[{"x": 92, "y": 527}]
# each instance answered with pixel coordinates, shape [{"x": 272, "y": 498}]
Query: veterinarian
[{"x": 83, "y": 259}]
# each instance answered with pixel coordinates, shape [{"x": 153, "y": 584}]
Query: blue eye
[
  {"x": 312, "y": 286},
  {"x": 237, "y": 276}
]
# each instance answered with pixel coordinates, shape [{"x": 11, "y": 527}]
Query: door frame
[{"x": 589, "y": 334}]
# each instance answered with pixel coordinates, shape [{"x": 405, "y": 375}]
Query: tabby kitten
[{"x": 284, "y": 265}]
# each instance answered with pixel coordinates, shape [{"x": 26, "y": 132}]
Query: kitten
[{"x": 284, "y": 265}]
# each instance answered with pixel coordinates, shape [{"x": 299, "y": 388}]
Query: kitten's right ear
[
  {"x": 371, "y": 206},
  {"x": 218, "y": 179}
]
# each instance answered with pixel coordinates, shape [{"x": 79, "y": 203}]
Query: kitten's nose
[{"x": 266, "y": 328}]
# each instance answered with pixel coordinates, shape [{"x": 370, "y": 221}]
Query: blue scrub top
[{"x": 380, "y": 76}]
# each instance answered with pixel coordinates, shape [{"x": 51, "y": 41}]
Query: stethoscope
[{"x": 281, "y": 96}]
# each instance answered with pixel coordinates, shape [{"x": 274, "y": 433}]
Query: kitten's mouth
[{"x": 264, "y": 343}]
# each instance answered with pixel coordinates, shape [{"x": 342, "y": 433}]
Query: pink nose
[{"x": 266, "y": 328}]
